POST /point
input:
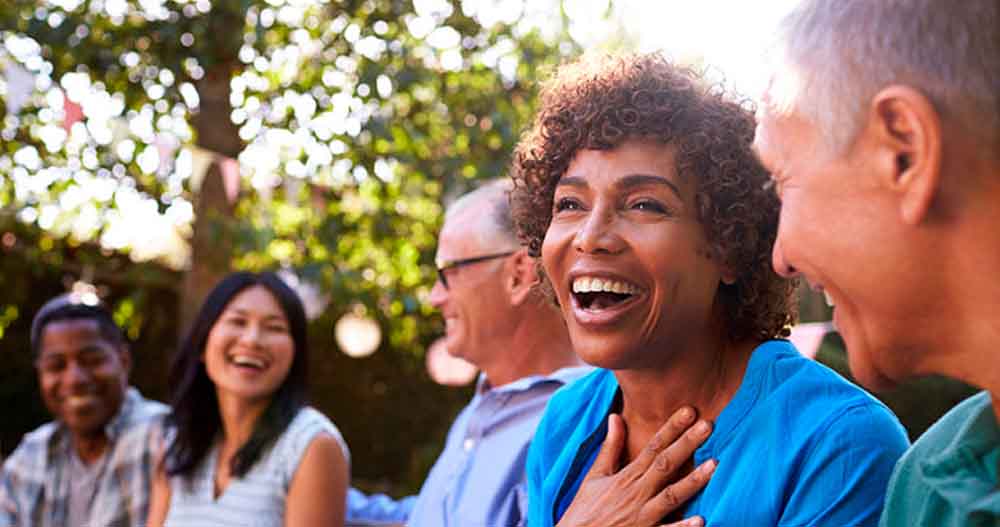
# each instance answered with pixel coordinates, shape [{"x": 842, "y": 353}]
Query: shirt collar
[
  {"x": 968, "y": 464},
  {"x": 562, "y": 376},
  {"x": 118, "y": 423}
]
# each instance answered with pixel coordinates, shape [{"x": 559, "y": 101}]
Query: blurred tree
[{"x": 352, "y": 121}]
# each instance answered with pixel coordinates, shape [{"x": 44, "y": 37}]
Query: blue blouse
[{"x": 798, "y": 445}]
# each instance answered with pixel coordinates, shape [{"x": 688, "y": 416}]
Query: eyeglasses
[{"x": 452, "y": 264}]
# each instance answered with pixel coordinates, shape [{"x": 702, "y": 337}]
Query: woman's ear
[{"x": 523, "y": 276}]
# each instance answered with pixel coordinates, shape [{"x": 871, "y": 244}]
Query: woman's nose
[
  {"x": 598, "y": 233},
  {"x": 250, "y": 334}
]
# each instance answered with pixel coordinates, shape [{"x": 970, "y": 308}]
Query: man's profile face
[
  {"x": 473, "y": 304},
  {"x": 837, "y": 231},
  {"x": 82, "y": 376}
]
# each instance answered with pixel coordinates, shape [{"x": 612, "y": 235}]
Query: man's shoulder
[
  {"x": 140, "y": 426},
  {"x": 30, "y": 453},
  {"x": 949, "y": 454},
  {"x": 41, "y": 435},
  {"x": 140, "y": 411},
  {"x": 949, "y": 430}
]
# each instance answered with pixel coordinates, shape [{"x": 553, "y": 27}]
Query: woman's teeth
[
  {"x": 243, "y": 360},
  {"x": 600, "y": 285}
]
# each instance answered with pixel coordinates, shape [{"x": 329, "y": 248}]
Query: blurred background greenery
[{"x": 149, "y": 146}]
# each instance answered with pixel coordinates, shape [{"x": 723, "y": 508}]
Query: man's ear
[
  {"x": 523, "y": 276},
  {"x": 908, "y": 128},
  {"x": 125, "y": 356}
]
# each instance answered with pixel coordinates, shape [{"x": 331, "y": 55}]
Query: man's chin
[
  {"x": 870, "y": 377},
  {"x": 453, "y": 347},
  {"x": 86, "y": 430}
]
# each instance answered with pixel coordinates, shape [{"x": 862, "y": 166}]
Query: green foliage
[
  {"x": 353, "y": 121},
  {"x": 8, "y": 315},
  {"x": 355, "y": 118}
]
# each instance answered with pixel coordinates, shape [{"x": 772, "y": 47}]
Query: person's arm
[
  {"x": 377, "y": 509},
  {"x": 318, "y": 492},
  {"x": 159, "y": 494},
  {"x": 645, "y": 490}
]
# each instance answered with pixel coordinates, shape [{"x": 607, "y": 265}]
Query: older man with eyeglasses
[{"x": 495, "y": 319}]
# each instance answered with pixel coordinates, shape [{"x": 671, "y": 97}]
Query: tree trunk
[{"x": 211, "y": 248}]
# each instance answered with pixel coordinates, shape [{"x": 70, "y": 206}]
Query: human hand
[{"x": 639, "y": 494}]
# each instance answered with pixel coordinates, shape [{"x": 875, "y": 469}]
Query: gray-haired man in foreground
[{"x": 881, "y": 127}]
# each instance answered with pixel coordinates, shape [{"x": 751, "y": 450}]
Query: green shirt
[{"x": 949, "y": 477}]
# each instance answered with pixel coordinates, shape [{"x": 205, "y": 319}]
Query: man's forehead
[
  {"x": 74, "y": 331},
  {"x": 463, "y": 230}
]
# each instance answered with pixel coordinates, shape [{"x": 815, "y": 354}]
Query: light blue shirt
[
  {"x": 479, "y": 480},
  {"x": 797, "y": 446}
]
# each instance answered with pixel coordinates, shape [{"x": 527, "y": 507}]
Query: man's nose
[
  {"x": 76, "y": 373},
  {"x": 779, "y": 260},
  {"x": 438, "y": 294}
]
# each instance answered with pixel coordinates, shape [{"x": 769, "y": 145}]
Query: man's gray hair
[
  {"x": 496, "y": 195},
  {"x": 841, "y": 53}
]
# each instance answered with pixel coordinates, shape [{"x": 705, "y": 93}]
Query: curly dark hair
[{"x": 600, "y": 102}]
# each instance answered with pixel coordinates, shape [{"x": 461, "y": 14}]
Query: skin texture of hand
[{"x": 648, "y": 488}]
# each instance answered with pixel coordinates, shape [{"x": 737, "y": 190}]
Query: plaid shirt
[{"x": 34, "y": 490}]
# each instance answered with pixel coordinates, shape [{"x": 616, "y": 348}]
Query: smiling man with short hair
[
  {"x": 92, "y": 465},
  {"x": 881, "y": 128}
]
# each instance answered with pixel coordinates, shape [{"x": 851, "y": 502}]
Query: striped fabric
[{"x": 257, "y": 499}]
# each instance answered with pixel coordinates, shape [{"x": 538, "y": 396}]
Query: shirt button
[{"x": 469, "y": 443}]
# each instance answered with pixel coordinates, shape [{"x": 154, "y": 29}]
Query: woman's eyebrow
[
  {"x": 572, "y": 181},
  {"x": 637, "y": 180}
]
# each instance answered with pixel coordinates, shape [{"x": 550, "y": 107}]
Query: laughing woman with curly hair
[{"x": 638, "y": 190}]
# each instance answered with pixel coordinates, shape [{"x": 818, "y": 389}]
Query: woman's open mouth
[
  {"x": 249, "y": 363},
  {"x": 599, "y": 300}
]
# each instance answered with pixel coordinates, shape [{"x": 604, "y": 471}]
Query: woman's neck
[
  {"x": 705, "y": 378},
  {"x": 239, "y": 416}
]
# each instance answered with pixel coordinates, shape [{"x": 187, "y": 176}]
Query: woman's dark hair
[
  {"x": 195, "y": 416},
  {"x": 598, "y": 103}
]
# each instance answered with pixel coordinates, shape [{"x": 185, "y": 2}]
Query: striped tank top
[{"x": 258, "y": 498}]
